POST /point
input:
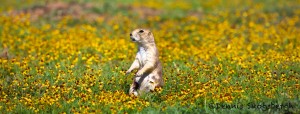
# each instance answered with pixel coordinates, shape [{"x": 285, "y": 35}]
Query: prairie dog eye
[{"x": 141, "y": 31}]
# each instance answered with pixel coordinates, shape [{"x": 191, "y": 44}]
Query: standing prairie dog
[{"x": 147, "y": 62}]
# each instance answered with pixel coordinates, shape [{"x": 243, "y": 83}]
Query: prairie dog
[{"x": 149, "y": 75}]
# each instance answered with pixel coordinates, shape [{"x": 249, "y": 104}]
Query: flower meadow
[{"x": 218, "y": 56}]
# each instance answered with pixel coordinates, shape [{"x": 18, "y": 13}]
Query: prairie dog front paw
[{"x": 139, "y": 73}]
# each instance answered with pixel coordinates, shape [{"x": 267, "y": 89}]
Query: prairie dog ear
[{"x": 149, "y": 34}]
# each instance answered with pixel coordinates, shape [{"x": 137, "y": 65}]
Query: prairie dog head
[{"x": 142, "y": 36}]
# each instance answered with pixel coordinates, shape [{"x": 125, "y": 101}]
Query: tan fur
[
  {"x": 149, "y": 75},
  {"x": 4, "y": 53}
]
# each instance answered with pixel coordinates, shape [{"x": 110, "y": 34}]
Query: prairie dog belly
[{"x": 142, "y": 56}]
